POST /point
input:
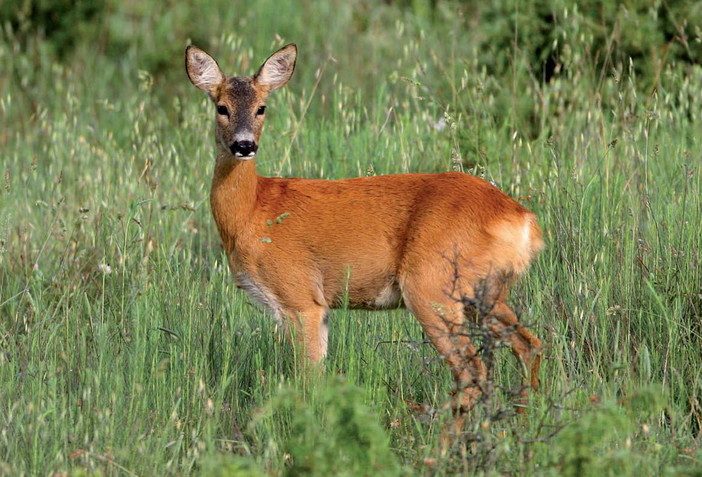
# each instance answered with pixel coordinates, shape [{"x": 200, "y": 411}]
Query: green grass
[{"x": 125, "y": 349}]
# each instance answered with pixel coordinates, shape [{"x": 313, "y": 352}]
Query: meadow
[{"x": 126, "y": 349}]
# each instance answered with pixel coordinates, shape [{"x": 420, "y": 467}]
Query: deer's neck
[{"x": 233, "y": 196}]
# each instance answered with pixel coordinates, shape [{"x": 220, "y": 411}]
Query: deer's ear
[
  {"x": 278, "y": 68},
  {"x": 203, "y": 70}
]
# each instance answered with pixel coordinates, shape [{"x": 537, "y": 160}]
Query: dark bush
[{"x": 62, "y": 22}]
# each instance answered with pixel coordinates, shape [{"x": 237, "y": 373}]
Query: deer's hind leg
[
  {"x": 442, "y": 319},
  {"x": 526, "y": 347}
]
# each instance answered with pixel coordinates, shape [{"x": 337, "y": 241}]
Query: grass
[{"x": 125, "y": 349}]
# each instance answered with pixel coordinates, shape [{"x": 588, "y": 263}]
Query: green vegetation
[{"x": 125, "y": 349}]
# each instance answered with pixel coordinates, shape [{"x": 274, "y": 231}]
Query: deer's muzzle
[{"x": 244, "y": 148}]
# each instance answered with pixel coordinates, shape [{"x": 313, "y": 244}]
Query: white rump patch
[
  {"x": 526, "y": 235},
  {"x": 516, "y": 238}
]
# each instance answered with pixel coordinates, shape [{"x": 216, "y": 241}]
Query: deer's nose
[{"x": 244, "y": 148}]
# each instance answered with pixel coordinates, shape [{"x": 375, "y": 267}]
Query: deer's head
[{"x": 240, "y": 100}]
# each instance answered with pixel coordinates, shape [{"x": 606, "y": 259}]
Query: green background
[{"x": 125, "y": 349}]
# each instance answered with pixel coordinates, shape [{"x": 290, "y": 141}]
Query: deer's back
[{"x": 360, "y": 236}]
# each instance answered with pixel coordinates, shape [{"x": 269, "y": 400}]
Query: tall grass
[{"x": 125, "y": 349}]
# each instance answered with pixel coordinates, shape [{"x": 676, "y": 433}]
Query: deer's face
[
  {"x": 239, "y": 100},
  {"x": 240, "y": 110}
]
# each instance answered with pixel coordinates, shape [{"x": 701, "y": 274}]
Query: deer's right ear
[
  {"x": 278, "y": 68},
  {"x": 203, "y": 70}
]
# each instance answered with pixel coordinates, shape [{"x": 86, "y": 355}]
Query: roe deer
[{"x": 301, "y": 246}]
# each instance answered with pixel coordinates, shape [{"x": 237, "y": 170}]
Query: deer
[{"x": 301, "y": 247}]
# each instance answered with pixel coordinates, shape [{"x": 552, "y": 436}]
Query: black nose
[{"x": 244, "y": 148}]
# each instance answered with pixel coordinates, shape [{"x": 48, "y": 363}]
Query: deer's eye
[
  {"x": 221, "y": 109},
  {"x": 261, "y": 110}
]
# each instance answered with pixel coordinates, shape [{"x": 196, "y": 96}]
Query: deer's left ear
[
  {"x": 203, "y": 70},
  {"x": 278, "y": 68}
]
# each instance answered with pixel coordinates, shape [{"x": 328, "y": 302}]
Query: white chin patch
[{"x": 239, "y": 155}]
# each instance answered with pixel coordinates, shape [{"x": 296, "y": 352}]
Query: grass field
[{"x": 125, "y": 348}]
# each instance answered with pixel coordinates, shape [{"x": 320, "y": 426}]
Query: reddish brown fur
[{"x": 301, "y": 246}]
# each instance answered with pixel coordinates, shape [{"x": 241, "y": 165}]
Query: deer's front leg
[{"x": 308, "y": 331}]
